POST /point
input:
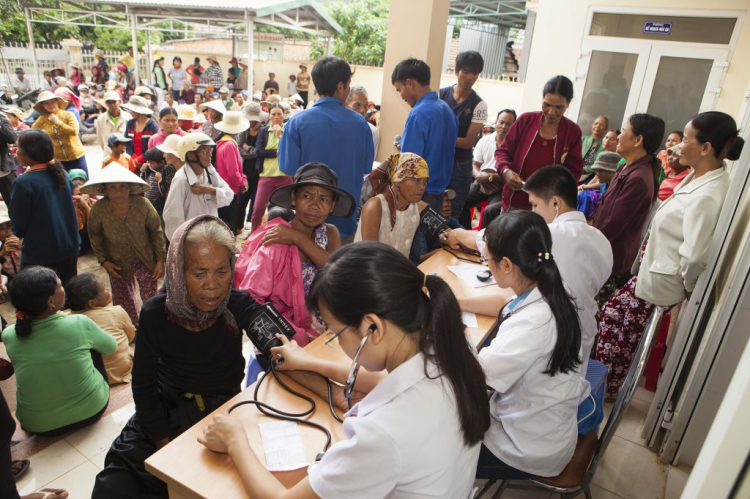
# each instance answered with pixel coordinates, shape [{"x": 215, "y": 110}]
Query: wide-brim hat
[
  {"x": 45, "y": 96},
  {"x": 216, "y": 105},
  {"x": 243, "y": 61},
  {"x": 138, "y": 105},
  {"x": 233, "y": 123},
  {"x": 143, "y": 89},
  {"x": 212, "y": 58},
  {"x": 318, "y": 175},
  {"x": 15, "y": 111},
  {"x": 170, "y": 145},
  {"x": 223, "y": 90},
  {"x": 108, "y": 96},
  {"x": 303, "y": 65},
  {"x": 253, "y": 112},
  {"x": 606, "y": 161},
  {"x": 114, "y": 173},
  {"x": 186, "y": 112}
]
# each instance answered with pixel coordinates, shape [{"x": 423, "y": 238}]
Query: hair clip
[{"x": 543, "y": 256}]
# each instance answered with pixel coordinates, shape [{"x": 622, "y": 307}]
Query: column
[
  {"x": 134, "y": 43},
  {"x": 415, "y": 29},
  {"x": 37, "y": 78},
  {"x": 250, "y": 56}
]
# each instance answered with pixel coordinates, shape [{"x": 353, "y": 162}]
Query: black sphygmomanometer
[
  {"x": 435, "y": 224},
  {"x": 262, "y": 331}
]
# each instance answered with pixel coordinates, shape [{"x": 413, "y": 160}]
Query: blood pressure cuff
[
  {"x": 432, "y": 222},
  {"x": 264, "y": 326}
]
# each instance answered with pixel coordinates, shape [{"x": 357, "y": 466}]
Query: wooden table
[
  {"x": 438, "y": 264},
  {"x": 192, "y": 471}
]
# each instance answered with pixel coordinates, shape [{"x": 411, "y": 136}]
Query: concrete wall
[{"x": 560, "y": 29}]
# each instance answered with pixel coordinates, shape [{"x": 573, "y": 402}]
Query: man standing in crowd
[
  {"x": 357, "y": 101},
  {"x": 111, "y": 122},
  {"x": 431, "y": 128},
  {"x": 214, "y": 74},
  {"x": 471, "y": 112},
  {"x": 271, "y": 83},
  {"x": 20, "y": 84},
  {"x": 243, "y": 79},
  {"x": 488, "y": 185},
  {"x": 303, "y": 83},
  {"x": 332, "y": 134}
]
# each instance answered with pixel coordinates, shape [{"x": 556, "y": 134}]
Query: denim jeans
[{"x": 461, "y": 183}]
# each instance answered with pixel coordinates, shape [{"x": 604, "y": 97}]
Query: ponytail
[
  {"x": 391, "y": 287},
  {"x": 524, "y": 238},
  {"x": 56, "y": 169},
  {"x": 29, "y": 292},
  {"x": 720, "y": 130}
]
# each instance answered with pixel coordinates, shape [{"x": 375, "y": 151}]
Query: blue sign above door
[{"x": 657, "y": 28}]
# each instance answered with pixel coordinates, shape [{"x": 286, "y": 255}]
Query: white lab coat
[
  {"x": 182, "y": 205},
  {"x": 680, "y": 238},
  {"x": 584, "y": 257},
  {"x": 533, "y": 415},
  {"x": 405, "y": 442}
]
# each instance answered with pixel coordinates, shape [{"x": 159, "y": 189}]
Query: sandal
[{"x": 23, "y": 468}]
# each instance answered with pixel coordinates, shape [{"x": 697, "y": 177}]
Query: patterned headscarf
[
  {"x": 179, "y": 308},
  {"x": 69, "y": 97},
  {"x": 395, "y": 169}
]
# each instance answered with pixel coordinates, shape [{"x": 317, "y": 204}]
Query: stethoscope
[{"x": 354, "y": 369}]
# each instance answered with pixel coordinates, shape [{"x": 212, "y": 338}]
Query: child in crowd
[
  {"x": 126, "y": 236},
  {"x": 117, "y": 144},
  {"x": 83, "y": 204},
  {"x": 87, "y": 295},
  {"x": 152, "y": 173},
  {"x": 604, "y": 168},
  {"x": 425, "y": 245}
]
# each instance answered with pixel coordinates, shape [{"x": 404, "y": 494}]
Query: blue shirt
[
  {"x": 334, "y": 135},
  {"x": 431, "y": 131}
]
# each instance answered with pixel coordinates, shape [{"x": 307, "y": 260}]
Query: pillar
[
  {"x": 37, "y": 79},
  {"x": 415, "y": 29},
  {"x": 73, "y": 48},
  {"x": 250, "y": 56},
  {"x": 134, "y": 43}
]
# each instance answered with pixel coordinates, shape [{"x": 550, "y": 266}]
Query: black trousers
[
  {"x": 124, "y": 475},
  {"x": 228, "y": 214},
  {"x": 6, "y": 184},
  {"x": 303, "y": 94},
  {"x": 475, "y": 197},
  {"x": 7, "y": 428},
  {"x": 65, "y": 269},
  {"x": 248, "y": 198}
]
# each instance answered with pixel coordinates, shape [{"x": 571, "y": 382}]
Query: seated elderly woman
[
  {"x": 280, "y": 259},
  {"x": 392, "y": 216},
  {"x": 60, "y": 375},
  {"x": 188, "y": 354}
]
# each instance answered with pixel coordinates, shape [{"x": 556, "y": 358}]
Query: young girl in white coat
[
  {"x": 533, "y": 361},
  {"x": 418, "y": 432}
]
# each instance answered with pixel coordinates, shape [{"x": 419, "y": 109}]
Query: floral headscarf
[
  {"x": 179, "y": 308},
  {"x": 395, "y": 169},
  {"x": 69, "y": 97}
]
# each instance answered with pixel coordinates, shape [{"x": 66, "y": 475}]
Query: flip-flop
[{"x": 25, "y": 463}]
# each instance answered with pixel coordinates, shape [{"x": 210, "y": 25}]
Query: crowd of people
[{"x": 591, "y": 232}]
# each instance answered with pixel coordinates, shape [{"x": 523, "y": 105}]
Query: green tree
[
  {"x": 365, "y": 25},
  {"x": 13, "y": 27}
]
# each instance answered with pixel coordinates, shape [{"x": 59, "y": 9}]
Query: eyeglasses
[{"x": 336, "y": 335}]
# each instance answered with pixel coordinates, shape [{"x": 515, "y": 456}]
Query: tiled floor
[{"x": 629, "y": 469}]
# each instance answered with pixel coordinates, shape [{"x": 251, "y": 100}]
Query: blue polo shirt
[
  {"x": 431, "y": 130},
  {"x": 334, "y": 135}
]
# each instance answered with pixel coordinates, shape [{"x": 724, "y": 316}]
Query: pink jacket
[
  {"x": 229, "y": 163},
  {"x": 274, "y": 274},
  {"x": 159, "y": 138}
]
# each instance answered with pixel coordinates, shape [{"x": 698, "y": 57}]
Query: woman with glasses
[
  {"x": 392, "y": 318},
  {"x": 196, "y": 189}
]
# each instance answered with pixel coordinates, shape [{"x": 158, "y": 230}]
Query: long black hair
[
  {"x": 651, "y": 128},
  {"x": 521, "y": 236},
  {"x": 720, "y": 130},
  {"x": 37, "y": 145},
  {"x": 388, "y": 285},
  {"x": 29, "y": 292}
]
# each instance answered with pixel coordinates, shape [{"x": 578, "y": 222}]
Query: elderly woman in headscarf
[
  {"x": 188, "y": 357},
  {"x": 392, "y": 215}
]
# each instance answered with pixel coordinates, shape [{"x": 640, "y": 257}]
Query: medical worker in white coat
[
  {"x": 418, "y": 432},
  {"x": 532, "y": 362}
]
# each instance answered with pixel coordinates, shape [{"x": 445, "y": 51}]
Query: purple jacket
[{"x": 514, "y": 149}]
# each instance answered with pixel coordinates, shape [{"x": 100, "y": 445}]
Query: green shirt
[{"x": 56, "y": 379}]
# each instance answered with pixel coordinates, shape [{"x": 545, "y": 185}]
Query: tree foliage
[{"x": 365, "y": 25}]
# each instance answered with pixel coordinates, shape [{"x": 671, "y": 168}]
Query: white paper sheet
[
  {"x": 468, "y": 274},
  {"x": 469, "y": 319},
  {"x": 283, "y": 446}
]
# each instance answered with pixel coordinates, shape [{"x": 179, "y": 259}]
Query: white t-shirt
[
  {"x": 480, "y": 113},
  {"x": 405, "y": 442},
  {"x": 584, "y": 256},
  {"x": 182, "y": 205},
  {"x": 24, "y": 86},
  {"x": 484, "y": 152},
  {"x": 375, "y": 136},
  {"x": 534, "y": 424}
]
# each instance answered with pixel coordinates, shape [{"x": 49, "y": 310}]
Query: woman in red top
[
  {"x": 676, "y": 175},
  {"x": 140, "y": 129},
  {"x": 539, "y": 139}
]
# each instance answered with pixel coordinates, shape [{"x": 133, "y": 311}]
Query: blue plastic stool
[{"x": 591, "y": 410}]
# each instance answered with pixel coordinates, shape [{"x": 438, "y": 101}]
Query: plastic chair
[{"x": 577, "y": 476}]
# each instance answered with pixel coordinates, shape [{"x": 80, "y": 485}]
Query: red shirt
[
  {"x": 541, "y": 153},
  {"x": 668, "y": 184}
]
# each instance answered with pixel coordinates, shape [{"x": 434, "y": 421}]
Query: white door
[
  {"x": 680, "y": 83},
  {"x": 617, "y": 78}
]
